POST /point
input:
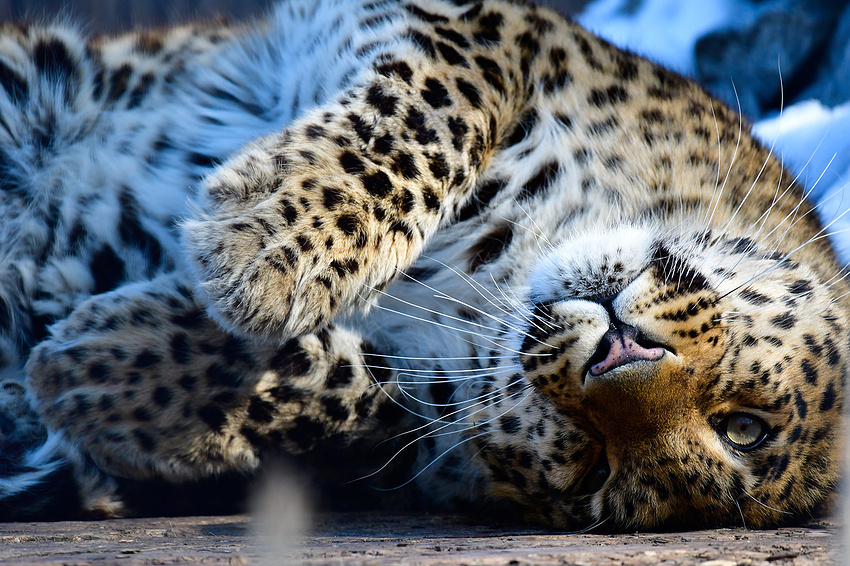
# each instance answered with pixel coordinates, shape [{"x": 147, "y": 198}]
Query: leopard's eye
[
  {"x": 744, "y": 431},
  {"x": 596, "y": 476}
]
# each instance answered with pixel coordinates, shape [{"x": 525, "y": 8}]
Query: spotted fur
[{"x": 540, "y": 270}]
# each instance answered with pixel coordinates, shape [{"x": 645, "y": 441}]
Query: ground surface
[{"x": 395, "y": 539}]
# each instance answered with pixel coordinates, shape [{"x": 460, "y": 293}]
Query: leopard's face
[{"x": 669, "y": 381}]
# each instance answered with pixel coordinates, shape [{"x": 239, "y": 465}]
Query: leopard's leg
[
  {"x": 149, "y": 387},
  {"x": 308, "y": 223}
]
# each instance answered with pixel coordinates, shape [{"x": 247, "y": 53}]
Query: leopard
[{"x": 451, "y": 254}]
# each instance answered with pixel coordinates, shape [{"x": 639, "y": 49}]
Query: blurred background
[{"x": 117, "y": 15}]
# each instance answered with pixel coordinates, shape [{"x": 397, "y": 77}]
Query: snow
[
  {"x": 811, "y": 139},
  {"x": 667, "y": 30}
]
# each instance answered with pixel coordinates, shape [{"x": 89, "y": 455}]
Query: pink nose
[{"x": 620, "y": 341}]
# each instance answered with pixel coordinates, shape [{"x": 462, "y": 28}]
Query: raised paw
[
  {"x": 311, "y": 222},
  {"x": 289, "y": 263}
]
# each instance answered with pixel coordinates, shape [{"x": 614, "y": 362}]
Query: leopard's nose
[{"x": 620, "y": 346}]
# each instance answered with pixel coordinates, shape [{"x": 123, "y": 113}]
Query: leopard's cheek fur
[{"x": 657, "y": 429}]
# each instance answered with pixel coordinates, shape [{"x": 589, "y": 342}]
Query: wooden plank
[{"x": 391, "y": 538}]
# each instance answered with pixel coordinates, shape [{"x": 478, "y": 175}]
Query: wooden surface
[{"x": 360, "y": 539}]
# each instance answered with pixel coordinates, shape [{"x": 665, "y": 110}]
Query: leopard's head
[{"x": 668, "y": 381}]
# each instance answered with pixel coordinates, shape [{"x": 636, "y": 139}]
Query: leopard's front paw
[{"x": 280, "y": 249}]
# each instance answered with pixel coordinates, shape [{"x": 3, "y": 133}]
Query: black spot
[
  {"x": 800, "y": 287},
  {"x": 82, "y": 406},
  {"x": 218, "y": 376},
  {"x": 556, "y": 81},
  {"x": 398, "y": 68},
  {"x": 256, "y": 439},
  {"x": 402, "y": 228},
  {"x": 812, "y": 345},
  {"x": 351, "y": 164},
  {"x": 423, "y": 42},
  {"x": 291, "y": 360},
  {"x": 99, "y": 372},
  {"x": 304, "y": 243},
  {"x": 833, "y": 357},
  {"x": 416, "y": 121},
  {"x": 288, "y": 211},
  {"x": 162, "y": 396},
  {"x": 335, "y": 409},
  {"x": 331, "y": 197},
  {"x": 459, "y": 129},
  {"x": 470, "y": 92},
  {"x": 405, "y": 201},
  {"x": 627, "y": 69},
  {"x": 541, "y": 181},
  {"x": 436, "y": 94},
  {"x": 213, "y": 417},
  {"x": 671, "y": 270},
  {"x": 612, "y": 95},
  {"x": 451, "y": 55},
  {"x": 260, "y": 410},
  {"x": 305, "y": 433},
  {"x": 346, "y": 267},
  {"x": 509, "y": 424},
  {"x": 441, "y": 392},
  {"x": 427, "y": 16},
  {"x": 145, "y": 440},
  {"x": 341, "y": 376},
  {"x": 481, "y": 199},
  {"x": 131, "y": 231},
  {"x": 524, "y": 126},
  {"x": 382, "y": 102},
  {"x": 490, "y": 247},
  {"x": 14, "y": 85},
  {"x": 188, "y": 382},
  {"x": 432, "y": 200},
  {"x": 383, "y": 144},
  {"x": 829, "y": 397},
  {"x": 473, "y": 12},
  {"x": 235, "y": 351},
  {"x": 492, "y": 72},
  {"x": 802, "y": 406},
  {"x": 107, "y": 269},
  {"x": 488, "y": 31},
  {"x": 140, "y": 91},
  {"x": 452, "y": 36},
  {"x": 741, "y": 245},
  {"x": 601, "y": 127},
  {"x": 404, "y": 165},
  {"x": 314, "y": 131},
  {"x": 809, "y": 372},
  {"x": 378, "y": 184},
  {"x": 438, "y": 166},
  {"x": 778, "y": 465},
  {"x": 180, "y": 348},
  {"x": 348, "y": 223},
  {"x": 146, "y": 359},
  {"x": 190, "y": 319},
  {"x": 52, "y": 59},
  {"x": 142, "y": 414},
  {"x": 784, "y": 321},
  {"x": 753, "y": 297},
  {"x": 118, "y": 81}
]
